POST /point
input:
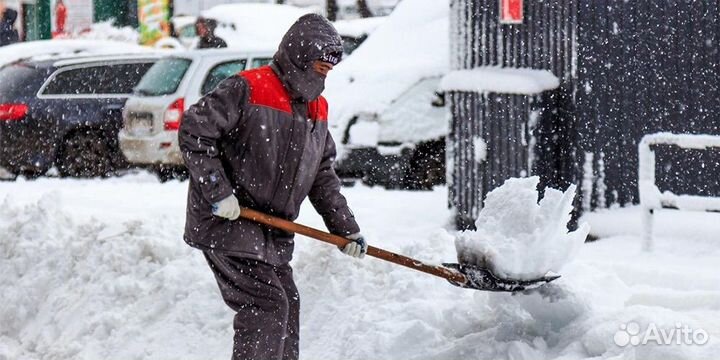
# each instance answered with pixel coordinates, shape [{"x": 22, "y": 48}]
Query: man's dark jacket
[
  {"x": 263, "y": 136},
  {"x": 8, "y": 34}
]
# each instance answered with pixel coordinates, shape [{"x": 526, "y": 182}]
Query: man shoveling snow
[
  {"x": 474, "y": 271},
  {"x": 261, "y": 140},
  {"x": 518, "y": 237}
]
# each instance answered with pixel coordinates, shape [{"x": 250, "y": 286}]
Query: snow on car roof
[
  {"x": 197, "y": 53},
  {"x": 252, "y": 25},
  {"x": 412, "y": 44},
  {"x": 107, "y": 58},
  {"x": 180, "y": 21},
  {"x": 358, "y": 27},
  {"x": 37, "y": 50}
]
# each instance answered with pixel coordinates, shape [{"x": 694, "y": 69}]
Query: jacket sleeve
[
  {"x": 325, "y": 196},
  {"x": 201, "y": 130}
]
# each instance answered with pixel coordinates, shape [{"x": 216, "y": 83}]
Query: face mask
[
  {"x": 315, "y": 84},
  {"x": 307, "y": 84}
]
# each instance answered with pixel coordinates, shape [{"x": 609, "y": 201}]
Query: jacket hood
[{"x": 307, "y": 40}]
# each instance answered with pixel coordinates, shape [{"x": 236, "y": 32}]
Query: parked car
[
  {"x": 153, "y": 114},
  {"x": 400, "y": 144},
  {"x": 66, "y": 113},
  {"x": 386, "y": 114}
]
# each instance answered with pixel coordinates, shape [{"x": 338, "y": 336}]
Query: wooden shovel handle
[{"x": 340, "y": 241}]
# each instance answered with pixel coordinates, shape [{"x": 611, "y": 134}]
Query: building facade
[
  {"x": 43, "y": 19},
  {"x": 625, "y": 69}
]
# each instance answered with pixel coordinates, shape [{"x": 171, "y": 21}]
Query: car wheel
[
  {"x": 167, "y": 173},
  {"x": 85, "y": 154},
  {"x": 427, "y": 166}
]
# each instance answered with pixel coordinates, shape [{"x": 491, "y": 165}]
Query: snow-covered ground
[{"x": 97, "y": 269}]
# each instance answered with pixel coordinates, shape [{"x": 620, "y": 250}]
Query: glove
[
  {"x": 227, "y": 208},
  {"x": 357, "y": 248}
]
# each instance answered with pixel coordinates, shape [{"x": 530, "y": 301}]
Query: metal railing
[{"x": 651, "y": 198}]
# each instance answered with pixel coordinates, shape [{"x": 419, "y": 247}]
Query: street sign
[{"x": 511, "y": 11}]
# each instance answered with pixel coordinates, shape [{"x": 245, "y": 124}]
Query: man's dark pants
[{"x": 267, "y": 305}]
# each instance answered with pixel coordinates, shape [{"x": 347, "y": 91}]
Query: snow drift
[
  {"x": 81, "y": 290},
  {"x": 106, "y": 30},
  {"x": 97, "y": 269},
  {"x": 518, "y": 237}
]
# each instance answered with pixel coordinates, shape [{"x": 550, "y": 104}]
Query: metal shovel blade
[{"x": 480, "y": 278}]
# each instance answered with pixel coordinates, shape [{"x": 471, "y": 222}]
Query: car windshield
[
  {"x": 20, "y": 80},
  {"x": 163, "y": 78}
]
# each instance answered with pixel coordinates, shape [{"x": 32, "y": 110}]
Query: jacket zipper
[
  {"x": 306, "y": 138},
  {"x": 282, "y": 162}
]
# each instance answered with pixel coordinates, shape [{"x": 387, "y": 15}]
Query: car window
[
  {"x": 96, "y": 80},
  {"x": 221, "y": 72},
  {"x": 258, "y": 62},
  {"x": 20, "y": 79},
  {"x": 188, "y": 31},
  {"x": 122, "y": 78},
  {"x": 163, "y": 78}
]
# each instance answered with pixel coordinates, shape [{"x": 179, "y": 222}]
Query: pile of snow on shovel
[{"x": 519, "y": 237}]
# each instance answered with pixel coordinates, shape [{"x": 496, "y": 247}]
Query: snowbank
[
  {"x": 64, "y": 47},
  {"x": 105, "y": 30},
  {"x": 83, "y": 288},
  {"x": 518, "y": 237},
  {"x": 500, "y": 80},
  {"x": 96, "y": 269}
]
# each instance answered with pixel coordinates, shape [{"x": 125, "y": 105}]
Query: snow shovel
[{"x": 466, "y": 276}]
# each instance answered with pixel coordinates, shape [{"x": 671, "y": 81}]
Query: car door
[{"x": 90, "y": 95}]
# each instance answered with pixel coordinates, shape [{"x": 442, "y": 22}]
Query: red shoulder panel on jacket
[
  {"x": 266, "y": 89},
  {"x": 318, "y": 109}
]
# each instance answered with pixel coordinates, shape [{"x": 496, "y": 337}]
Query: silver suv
[{"x": 153, "y": 114}]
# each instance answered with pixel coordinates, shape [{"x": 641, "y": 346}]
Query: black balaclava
[{"x": 309, "y": 39}]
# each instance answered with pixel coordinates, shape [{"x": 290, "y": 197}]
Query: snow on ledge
[
  {"x": 687, "y": 141},
  {"x": 523, "y": 81}
]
